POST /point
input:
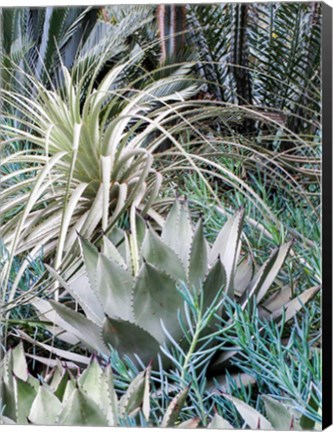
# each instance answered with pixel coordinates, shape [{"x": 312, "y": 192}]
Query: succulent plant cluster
[
  {"x": 68, "y": 397},
  {"x": 129, "y": 294},
  {"x": 73, "y": 398}
]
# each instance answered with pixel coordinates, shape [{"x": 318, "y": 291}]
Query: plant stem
[{"x": 192, "y": 346}]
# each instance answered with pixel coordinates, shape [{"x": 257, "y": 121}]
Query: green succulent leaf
[
  {"x": 156, "y": 298},
  {"x": 20, "y": 367},
  {"x": 90, "y": 257},
  {"x": 226, "y": 245},
  {"x": 169, "y": 234},
  {"x": 252, "y": 418},
  {"x": 278, "y": 299},
  {"x": 184, "y": 234},
  {"x": 218, "y": 422},
  {"x": 198, "y": 257},
  {"x": 81, "y": 410},
  {"x": 114, "y": 288},
  {"x": 45, "y": 408},
  {"x": 161, "y": 256},
  {"x": 130, "y": 339},
  {"x": 8, "y": 400},
  {"x": 70, "y": 387},
  {"x": 146, "y": 394},
  {"x": 7, "y": 368},
  {"x": 134, "y": 396},
  {"x": 296, "y": 304},
  {"x": 57, "y": 374},
  {"x": 85, "y": 330},
  {"x": 90, "y": 381},
  {"x": 278, "y": 415},
  {"x": 112, "y": 253},
  {"x": 305, "y": 422},
  {"x": 25, "y": 395},
  {"x": 215, "y": 280},
  {"x": 267, "y": 273},
  {"x": 243, "y": 276},
  {"x": 177, "y": 231},
  {"x": 172, "y": 412},
  {"x": 109, "y": 396},
  {"x": 140, "y": 229},
  {"x": 33, "y": 382},
  {"x": 60, "y": 390}
]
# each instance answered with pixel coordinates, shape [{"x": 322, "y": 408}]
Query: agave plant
[
  {"x": 128, "y": 291},
  {"x": 75, "y": 398}
]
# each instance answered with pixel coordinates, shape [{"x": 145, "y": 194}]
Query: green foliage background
[{"x": 107, "y": 115}]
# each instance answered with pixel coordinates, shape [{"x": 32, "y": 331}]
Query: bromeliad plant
[
  {"x": 129, "y": 293},
  {"x": 87, "y": 160}
]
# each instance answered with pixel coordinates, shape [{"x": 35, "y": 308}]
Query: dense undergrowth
[{"x": 161, "y": 216}]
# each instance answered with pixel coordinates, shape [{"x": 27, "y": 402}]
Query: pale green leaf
[
  {"x": 192, "y": 423},
  {"x": 90, "y": 257},
  {"x": 218, "y": 422},
  {"x": 243, "y": 276},
  {"x": 109, "y": 396},
  {"x": 112, "y": 253},
  {"x": 156, "y": 298},
  {"x": 293, "y": 306},
  {"x": 146, "y": 394},
  {"x": 227, "y": 244},
  {"x": 90, "y": 381},
  {"x": 129, "y": 339},
  {"x": 161, "y": 256},
  {"x": 198, "y": 258},
  {"x": 114, "y": 288},
  {"x": 25, "y": 395},
  {"x": 45, "y": 408},
  {"x": 265, "y": 276},
  {"x": 133, "y": 398},
  {"x": 215, "y": 280},
  {"x": 85, "y": 330},
  {"x": 20, "y": 367},
  {"x": 278, "y": 414},
  {"x": 81, "y": 410},
  {"x": 252, "y": 418},
  {"x": 172, "y": 412}
]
